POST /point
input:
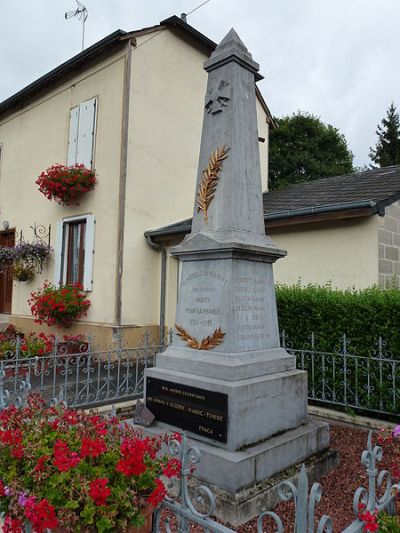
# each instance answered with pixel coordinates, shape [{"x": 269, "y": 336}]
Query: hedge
[{"x": 363, "y": 315}]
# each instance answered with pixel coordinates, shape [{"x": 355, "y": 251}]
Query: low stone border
[{"x": 355, "y": 420}]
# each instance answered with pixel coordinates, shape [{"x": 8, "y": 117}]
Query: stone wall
[{"x": 389, "y": 246}]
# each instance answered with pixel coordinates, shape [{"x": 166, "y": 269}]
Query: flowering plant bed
[
  {"x": 66, "y": 184},
  {"x": 69, "y": 471},
  {"x": 58, "y": 305}
]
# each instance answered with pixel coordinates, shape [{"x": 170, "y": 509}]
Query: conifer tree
[{"x": 387, "y": 148}]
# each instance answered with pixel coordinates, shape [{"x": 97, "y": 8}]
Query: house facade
[{"x": 130, "y": 107}]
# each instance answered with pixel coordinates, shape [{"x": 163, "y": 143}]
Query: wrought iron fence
[
  {"x": 186, "y": 509},
  {"x": 368, "y": 383},
  {"x": 77, "y": 373}
]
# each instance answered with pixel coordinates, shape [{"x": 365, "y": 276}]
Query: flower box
[
  {"x": 66, "y": 184},
  {"x": 58, "y": 305}
]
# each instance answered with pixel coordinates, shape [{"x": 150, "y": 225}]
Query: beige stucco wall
[
  {"x": 343, "y": 253},
  {"x": 35, "y": 138},
  {"x": 166, "y": 112}
]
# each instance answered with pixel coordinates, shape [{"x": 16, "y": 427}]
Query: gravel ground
[{"x": 338, "y": 486}]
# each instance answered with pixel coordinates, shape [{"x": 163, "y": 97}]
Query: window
[
  {"x": 74, "y": 251},
  {"x": 82, "y": 128}
]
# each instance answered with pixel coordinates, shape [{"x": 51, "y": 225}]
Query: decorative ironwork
[
  {"x": 364, "y": 382},
  {"x": 305, "y": 503},
  {"x": 187, "y": 508},
  {"x": 369, "y": 498},
  {"x": 76, "y": 373},
  {"x": 208, "y": 343}
]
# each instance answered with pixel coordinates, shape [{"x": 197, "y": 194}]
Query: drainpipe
[{"x": 160, "y": 248}]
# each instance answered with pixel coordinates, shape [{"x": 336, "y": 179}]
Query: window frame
[{"x": 61, "y": 251}]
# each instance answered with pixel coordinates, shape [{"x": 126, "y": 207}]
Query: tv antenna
[{"x": 81, "y": 13}]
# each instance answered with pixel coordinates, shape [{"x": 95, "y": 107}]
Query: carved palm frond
[
  {"x": 208, "y": 343},
  {"x": 209, "y": 180}
]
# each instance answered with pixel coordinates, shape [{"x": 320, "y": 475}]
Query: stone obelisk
[{"x": 225, "y": 378}]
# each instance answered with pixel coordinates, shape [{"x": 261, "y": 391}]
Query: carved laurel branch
[
  {"x": 208, "y": 343},
  {"x": 209, "y": 180}
]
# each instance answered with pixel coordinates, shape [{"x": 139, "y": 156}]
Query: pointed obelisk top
[{"x": 231, "y": 48}]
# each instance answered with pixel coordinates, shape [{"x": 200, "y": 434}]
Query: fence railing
[
  {"x": 368, "y": 383},
  {"x": 84, "y": 376},
  {"x": 80, "y": 375},
  {"x": 190, "y": 508}
]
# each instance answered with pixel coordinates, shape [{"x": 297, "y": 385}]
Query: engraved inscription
[
  {"x": 202, "y": 308},
  {"x": 198, "y": 410},
  {"x": 251, "y": 308}
]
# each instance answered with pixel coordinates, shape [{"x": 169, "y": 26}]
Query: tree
[
  {"x": 303, "y": 148},
  {"x": 387, "y": 148}
]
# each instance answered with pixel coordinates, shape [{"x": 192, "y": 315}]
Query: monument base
[
  {"x": 245, "y": 482},
  {"x": 232, "y": 415}
]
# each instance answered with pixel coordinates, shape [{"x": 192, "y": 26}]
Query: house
[
  {"x": 130, "y": 107},
  {"x": 343, "y": 230}
]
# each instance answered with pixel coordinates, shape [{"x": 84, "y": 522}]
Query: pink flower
[{"x": 396, "y": 431}]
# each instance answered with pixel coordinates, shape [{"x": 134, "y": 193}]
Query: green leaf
[
  {"x": 88, "y": 514},
  {"x": 104, "y": 525}
]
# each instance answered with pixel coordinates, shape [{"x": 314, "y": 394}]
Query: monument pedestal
[{"x": 245, "y": 482}]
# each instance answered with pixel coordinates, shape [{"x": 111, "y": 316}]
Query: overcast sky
[{"x": 338, "y": 59}]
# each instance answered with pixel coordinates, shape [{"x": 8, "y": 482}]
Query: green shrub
[
  {"x": 363, "y": 315},
  {"x": 364, "y": 383}
]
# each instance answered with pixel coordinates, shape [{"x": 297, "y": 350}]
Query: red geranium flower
[
  {"x": 41, "y": 515},
  {"x": 158, "y": 493},
  {"x": 132, "y": 463},
  {"x": 12, "y": 525},
  {"x": 92, "y": 448},
  {"x": 99, "y": 491},
  {"x": 64, "y": 458},
  {"x": 173, "y": 468}
]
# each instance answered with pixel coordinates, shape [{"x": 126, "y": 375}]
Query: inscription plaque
[{"x": 197, "y": 410}]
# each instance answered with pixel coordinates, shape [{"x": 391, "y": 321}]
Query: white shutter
[
  {"x": 73, "y": 135},
  {"x": 89, "y": 253},
  {"x": 86, "y": 132},
  {"x": 58, "y": 253}
]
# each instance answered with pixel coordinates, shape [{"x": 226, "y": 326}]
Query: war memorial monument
[{"x": 225, "y": 379}]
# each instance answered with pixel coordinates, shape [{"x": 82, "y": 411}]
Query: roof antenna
[
  {"x": 82, "y": 14},
  {"x": 185, "y": 15}
]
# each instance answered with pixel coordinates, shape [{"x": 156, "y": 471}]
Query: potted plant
[
  {"x": 16, "y": 349},
  {"x": 58, "y": 305},
  {"x": 7, "y": 254},
  {"x": 66, "y": 184},
  {"x": 23, "y": 271},
  {"x": 70, "y": 471}
]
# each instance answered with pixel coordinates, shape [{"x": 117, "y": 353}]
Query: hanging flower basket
[
  {"x": 7, "y": 256},
  {"x": 23, "y": 271},
  {"x": 59, "y": 306},
  {"x": 36, "y": 253},
  {"x": 69, "y": 471},
  {"x": 66, "y": 185}
]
